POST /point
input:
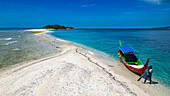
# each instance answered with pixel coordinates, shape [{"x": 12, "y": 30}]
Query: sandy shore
[{"x": 71, "y": 72}]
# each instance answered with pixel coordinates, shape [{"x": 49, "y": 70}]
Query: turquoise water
[
  {"x": 17, "y": 46},
  {"x": 153, "y": 44}
]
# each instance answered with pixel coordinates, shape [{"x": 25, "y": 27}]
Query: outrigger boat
[{"x": 130, "y": 59}]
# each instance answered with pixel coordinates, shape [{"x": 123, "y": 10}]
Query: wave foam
[
  {"x": 16, "y": 49},
  {"x": 61, "y": 40},
  {"x": 5, "y": 39},
  {"x": 10, "y": 42}
]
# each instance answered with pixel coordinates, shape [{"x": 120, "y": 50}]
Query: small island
[{"x": 57, "y": 27}]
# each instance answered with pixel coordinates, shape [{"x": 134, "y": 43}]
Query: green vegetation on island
[{"x": 58, "y": 27}]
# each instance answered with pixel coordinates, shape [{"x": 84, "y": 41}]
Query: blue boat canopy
[{"x": 127, "y": 49}]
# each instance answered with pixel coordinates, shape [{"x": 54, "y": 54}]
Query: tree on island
[{"x": 56, "y": 27}]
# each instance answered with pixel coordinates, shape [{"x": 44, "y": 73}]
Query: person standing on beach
[{"x": 150, "y": 71}]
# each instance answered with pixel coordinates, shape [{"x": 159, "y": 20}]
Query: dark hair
[{"x": 150, "y": 67}]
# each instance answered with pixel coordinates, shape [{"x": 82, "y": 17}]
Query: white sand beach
[
  {"x": 71, "y": 72},
  {"x": 39, "y": 30}
]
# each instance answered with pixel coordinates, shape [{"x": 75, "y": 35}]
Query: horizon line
[{"x": 116, "y": 28}]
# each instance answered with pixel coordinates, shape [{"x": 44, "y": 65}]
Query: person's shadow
[
  {"x": 147, "y": 81},
  {"x": 153, "y": 82}
]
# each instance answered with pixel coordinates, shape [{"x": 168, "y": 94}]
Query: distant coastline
[{"x": 154, "y": 28}]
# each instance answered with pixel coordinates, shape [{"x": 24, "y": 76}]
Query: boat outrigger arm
[{"x": 134, "y": 64}]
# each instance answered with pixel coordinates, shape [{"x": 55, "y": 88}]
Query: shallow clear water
[
  {"x": 17, "y": 45},
  {"x": 153, "y": 44}
]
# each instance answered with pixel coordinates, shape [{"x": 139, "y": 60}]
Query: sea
[{"x": 17, "y": 46}]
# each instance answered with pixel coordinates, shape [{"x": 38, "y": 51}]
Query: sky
[{"x": 85, "y": 13}]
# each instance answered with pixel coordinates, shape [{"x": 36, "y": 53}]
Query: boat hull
[{"x": 138, "y": 71}]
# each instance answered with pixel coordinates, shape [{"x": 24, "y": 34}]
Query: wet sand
[{"x": 73, "y": 71}]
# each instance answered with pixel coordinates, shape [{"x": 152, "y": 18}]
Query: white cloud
[
  {"x": 158, "y": 1},
  {"x": 89, "y": 5}
]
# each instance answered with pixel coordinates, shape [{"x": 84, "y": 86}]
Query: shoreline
[
  {"x": 155, "y": 89},
  {"x": 79, "y": 60}
]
